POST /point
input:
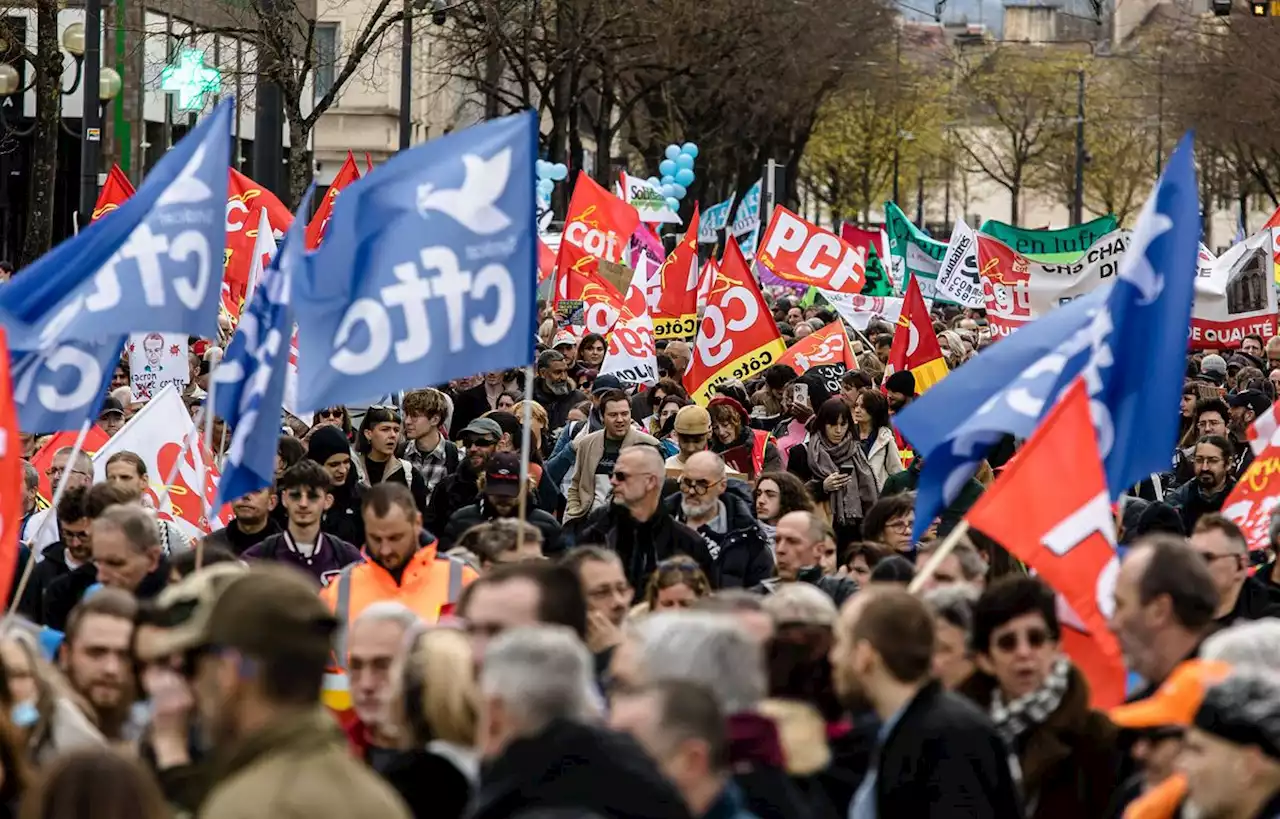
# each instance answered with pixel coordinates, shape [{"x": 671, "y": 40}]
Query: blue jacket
[{"x": 729, "y": 805}]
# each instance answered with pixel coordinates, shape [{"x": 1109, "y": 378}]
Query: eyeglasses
[
  {"x": 1036, "y": 638},
  {"x": 698, "y": 487},
  {"x": 296, "y": 495},
  {"x": 900, "y": 525},
  {"x": 1210, "y": 557},
  {"x": 54, "y": 472},
  {"x": 1202, "y": 460},
  {"x": 76, "y": 537},
  {"x": 622, "y": 589},
  {"x": 330, "y": 413}
]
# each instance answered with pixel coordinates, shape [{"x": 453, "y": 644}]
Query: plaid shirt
[{"x": 430, "y": 465}]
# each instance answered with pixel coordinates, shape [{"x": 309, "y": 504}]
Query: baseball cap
[
  {"x": 604, "y": 383},
  {"x": 502, "y": 474},
  {"x": 564, "y": 337},
  {"x": 1176, "y": 700},
  {"x": 483, "y": 428},
  {"x": 693, "y": 420},
  {"x": 111, "y": 406},
  {"x": 1250, "y": 399},
  {"x": 1213, "y": 364},
  {"x": 265, "y": 610},
  {"x": 1243, "y": 709}
]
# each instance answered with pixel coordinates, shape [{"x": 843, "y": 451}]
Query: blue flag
[
  {"x": 62, "y": 387},
  {"x": 1107, "y": 336},
  {"x": 156, "y": 264},
  {"x": 427, "y": 271},
  {"x": 249, "y": 391}
]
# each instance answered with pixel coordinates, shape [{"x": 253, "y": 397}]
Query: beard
[
  {"x": 557, "y": 387},
  {"x": 695, "y": 509},
  {"x": 1207, "y": 479}
]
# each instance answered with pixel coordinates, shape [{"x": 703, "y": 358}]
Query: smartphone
[
  {"x": 846, "y": 469},
  {"x": 800, "y": 394}
]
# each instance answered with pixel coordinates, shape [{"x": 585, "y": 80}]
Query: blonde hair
[
  {"x": 440, "y": 691},
  {"x": 535, "y": 410}
]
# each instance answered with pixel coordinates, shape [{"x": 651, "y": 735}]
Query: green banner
[
  {"x": 1054, "y": 246},
  {"x": 912, "y": 253},
  {"x": 878, "y": 282}
]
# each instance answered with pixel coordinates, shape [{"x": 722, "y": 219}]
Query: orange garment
[{"x": 1161, "y": 802}]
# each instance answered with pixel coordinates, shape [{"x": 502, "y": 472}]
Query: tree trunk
[
  {"x": 47, "y": 66},
  {"x": 300, "y": 172}
]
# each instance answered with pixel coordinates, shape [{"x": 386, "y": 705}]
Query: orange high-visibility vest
[{"x": 429, "y": 583}]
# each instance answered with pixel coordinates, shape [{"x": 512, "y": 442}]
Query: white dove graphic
[
  {"x": 472, "y": 204},
  {"x": 1138, "y": 270}
]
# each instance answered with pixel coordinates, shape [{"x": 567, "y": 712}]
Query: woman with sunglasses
[
  {"x": 1039, "y": 702},
  {"x": 337, "y": 417}
]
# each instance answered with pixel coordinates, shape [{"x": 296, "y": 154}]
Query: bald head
[
  {"x": 705, "y": 465},
  {"x": 643, "y": 460},
  {"x": 678, "y": 352}
]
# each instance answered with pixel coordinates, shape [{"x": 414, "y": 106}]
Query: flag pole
[
  {"x": 203, "y": 471},
  {"x": 525, "y": 439},
  {"x": 58, "y": 491},
  {"x": 940, "y": 554}
]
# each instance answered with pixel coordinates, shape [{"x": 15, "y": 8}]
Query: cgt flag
[
  {"x": 347, "y": 174},
  {"x": 248, "y": 206},
  {"x": 114, "y": 192},
  {"x": 427, "y": 272},
  {"x": 828, "y": 345},
  {"x": 677, "y": 313},
  {"x": 1066, "y": 536},
  {"x": 738, "y": 337},
  {"x": 915, "y": 345}
]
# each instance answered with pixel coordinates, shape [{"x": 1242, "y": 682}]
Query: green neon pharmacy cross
[{"x": 190, "y": 79}]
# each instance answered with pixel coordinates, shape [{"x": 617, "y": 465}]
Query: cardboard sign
[
  {"x": 155, "y": 361},
  {"x": 799, "y": 251},
  {"x": 1235, "y": 294}
]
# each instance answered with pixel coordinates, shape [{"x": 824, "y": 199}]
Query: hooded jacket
[
  {"x": 1192, "y": 502},
  {"x": 342, "y": 519},
  {"x": 741, "y": 551}
]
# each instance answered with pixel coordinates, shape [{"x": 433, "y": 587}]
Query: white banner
[
  {"x": 163, "y": 435},
  {"x": 647, "y": 199},
  {"x": 157, "y": 360},
  {"x": 860, "y": 310},
  {"x": 958, "y": 274},
  {"x": 1235, "y": 294},
  {"x": 632, "y": 355}
]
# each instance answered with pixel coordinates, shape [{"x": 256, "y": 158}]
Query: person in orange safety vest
[{"x": 398, "y": 567}]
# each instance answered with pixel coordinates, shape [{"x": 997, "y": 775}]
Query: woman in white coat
[{"x": 871, "y": 414}]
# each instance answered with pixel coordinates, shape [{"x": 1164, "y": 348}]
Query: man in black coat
[
  {"x": 554, "y": 390},
  {"x": 938, "y": 755},
  {"x": 72, "y": 550},
  {"x": 636, "y": 525},
  {"x": 500, "y": 498}
]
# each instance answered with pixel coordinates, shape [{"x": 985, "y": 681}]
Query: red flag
[
  {"x": 546, "y": 261},
  {"x": 368, "y": 163},
  {"x": 43, "y": 459},
  {"x": 799, "y": 251},
  {"x": 679, "y": 276},
  {"x": 825, "y": 346},
  {"x": 117, "y": 189},
  {"x": 11, "y": 480},
  {"x": 599, "y": 223},
  {"x": 915, "y": 345},
  {"x": 1067, "y": 536},
  {"x": 347, "y": 174},
  {"x": 246, "y": 200}
]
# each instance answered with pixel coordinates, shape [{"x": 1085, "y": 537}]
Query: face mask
[{"x": 24, "y": 714}]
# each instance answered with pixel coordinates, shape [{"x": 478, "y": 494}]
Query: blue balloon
[
  {"x": 546, "y": 186},
  {"x": 543, "y": 168},
  {"x": 668, "y": 180},
  {"x": 685, "y": 176},
  {"x": 667, "y": 167},
  {"x": 673, "y": 203},
  {"x": 690, "y": 148},
  {"x": 679, "y": 191},
  {"x": 672, "y": 151},
  {"x": 559, "y": 172},
  {"x": 684, "y": 161},
  {"x": 653, "y": 180},
  {"x": 669, "y": 189}
]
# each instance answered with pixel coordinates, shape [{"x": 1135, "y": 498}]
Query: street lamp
[
  {"x": 438, "y": 10},
  {"x": 11, "y": 85}
]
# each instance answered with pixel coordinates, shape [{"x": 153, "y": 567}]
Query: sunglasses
[
  {"x": 310, "y": 494},
  {"x": 330, "y": 413},
  {"x": 1008, "y": 643}
]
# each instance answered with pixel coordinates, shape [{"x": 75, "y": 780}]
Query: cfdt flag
[
  {"x": 251, "y": 376},
  {"x": 155, "y": 265},
  {"x": 63, "y": 386},
  {"x": 1066, "y": 536},
  {"x": 915, "y": 345},
  {"x": 427, "y": 271},
  {"x": 1102, "y": 336}
]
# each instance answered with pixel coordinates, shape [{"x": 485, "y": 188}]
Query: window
[{"x": 326, "y": 57}]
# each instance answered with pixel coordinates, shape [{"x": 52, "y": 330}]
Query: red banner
[
  {"x": 915, "y": 345},
  {"x": 679, "y": 276},
  {"x": 826, "y": 346},
  {"x": 738, "y": 337},
  {"x": 117, "y": 189},
  {"x": 599, "y": 224},
  {"x": 246, "y": 200},
  {"x": 800, "y": 251},
  {"x": 347, "y": 174},
  {"x": 1254, "y": 496},
  {"x": 11, "y": 480}
]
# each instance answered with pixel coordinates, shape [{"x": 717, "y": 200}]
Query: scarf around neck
[
  {"x": 1017, "y": 718},
  {"x": 825, "y": 459}
]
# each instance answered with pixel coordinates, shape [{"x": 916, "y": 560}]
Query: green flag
[
  {"x": 810, "y": 295},
  {"x": 1051, "y": 246},
  {"x": 912, "y": 253},
  {"x": 877, "y": 283}
]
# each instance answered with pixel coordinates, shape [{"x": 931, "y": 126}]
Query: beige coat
[
  {"x": 884, "y": 457},
  {"x": 590, "y": 449}
]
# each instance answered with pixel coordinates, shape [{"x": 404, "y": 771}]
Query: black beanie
[
  {"x": 327, "y": 441},
  {"x": 903, "y": 381}
]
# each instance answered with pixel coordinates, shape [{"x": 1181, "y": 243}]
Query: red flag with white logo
[
  {"x": 828, "y": 345},
  {"x": 799, "y": 251}
]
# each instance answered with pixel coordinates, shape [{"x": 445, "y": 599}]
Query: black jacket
[
  {"x": 1254, "y": 603},
  {"x": 839, "y": 589},
  {"x": 233, "y": 540},
  {"x": 557, "y": 406},
  {"x": 65, "y": 592},
  {"x": 429, "y": 784},
  {"x": 481, "y": 512},
  {"x": 467, "y": 407},
  {"x": 45, "y": 573},
  {"x": 342, "y": 519},
  {"x": 571, "y": 765},
  {"x": 642, "y": 546},
  {"x": 741, "y": 554},
  {"x": 1191, "y": 503},
  {"x": 944, "y": 759},
  {"x": 450, "y": 495}
]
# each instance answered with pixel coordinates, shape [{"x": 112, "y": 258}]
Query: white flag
[{"x": 958, "y": 274}]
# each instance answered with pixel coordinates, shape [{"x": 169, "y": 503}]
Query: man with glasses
[
  {"x": 1226, "y": 552},
  {"x": 305, "y": 492},
  {"x": 1212, "y": 484},
  {"x": 73, "y": 549},
  {"x": 737, "y": 544},
  {"x": 522, "y": 594},
  {"x": 41, "y": 526},
  {"x": 609, "y": 597}
]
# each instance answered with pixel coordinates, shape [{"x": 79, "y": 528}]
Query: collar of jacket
[
  {"x": 154, "y": 582},
  {"x": 419, "y": 564},
  {"x": 309, "y": 731}
]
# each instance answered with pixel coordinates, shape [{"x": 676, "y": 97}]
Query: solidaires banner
[
  {"x": 1062, "y": 245},
  {"x": 1017, "y": 289}
]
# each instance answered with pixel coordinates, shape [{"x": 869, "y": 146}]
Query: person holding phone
[{"x": 840, "y": 472}]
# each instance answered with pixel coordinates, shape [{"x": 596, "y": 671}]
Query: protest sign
[
  {"x": 860, "y": 310},
  {"x": 1235, "y": 294},
  {"x": 647, "y": 199},
  {"x": 714, "y": 220},
  {"x": 958, "y": 278},
  {"x": 1041, "y": 245},
  {"x": 799, "y": 251},
  {"x": 155, "y": 361}
]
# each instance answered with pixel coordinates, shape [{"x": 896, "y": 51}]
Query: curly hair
[
  {"x": 793, "y": 495},
  {"x": 676, "y": 571}
]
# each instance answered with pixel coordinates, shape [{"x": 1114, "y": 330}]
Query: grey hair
[
  {"x": 801, "y": 603},
  {"x": 541, "y": 673},
  {"x": 83, "y": 462},
  {"x": 30, "y": 475},
  {"x": 1249, "y": 644},
  {"x": 137, "y": 524},
  {"x": 972, "y": 566},
  {"x": 389, "y": 611},
  {"x": 953, "y": 604},
  {"x": 707, "y": 648}
]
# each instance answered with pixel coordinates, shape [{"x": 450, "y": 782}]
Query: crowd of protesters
[{"x": 680, "y": 611}]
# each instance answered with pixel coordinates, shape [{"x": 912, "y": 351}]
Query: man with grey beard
[
  {"x": 724, "y": 518},
  {"x": 554, "y": 390}
]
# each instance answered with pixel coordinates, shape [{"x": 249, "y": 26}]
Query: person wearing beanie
[
  {"x": 329, "y": 448},
  {"x": 900, "y": 389},
  {"x": 1231, "y": 755},
  {"x": 747, "y": 450},
  {"x": 1213, "y": 369}
]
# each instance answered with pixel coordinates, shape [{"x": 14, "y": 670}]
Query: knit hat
[
  {"x": 327, "y": 441},
  {"x": 1244, "y": 709},
  {"x": 1214, "y": 368},
  {"x": 903, "y": 381}
]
